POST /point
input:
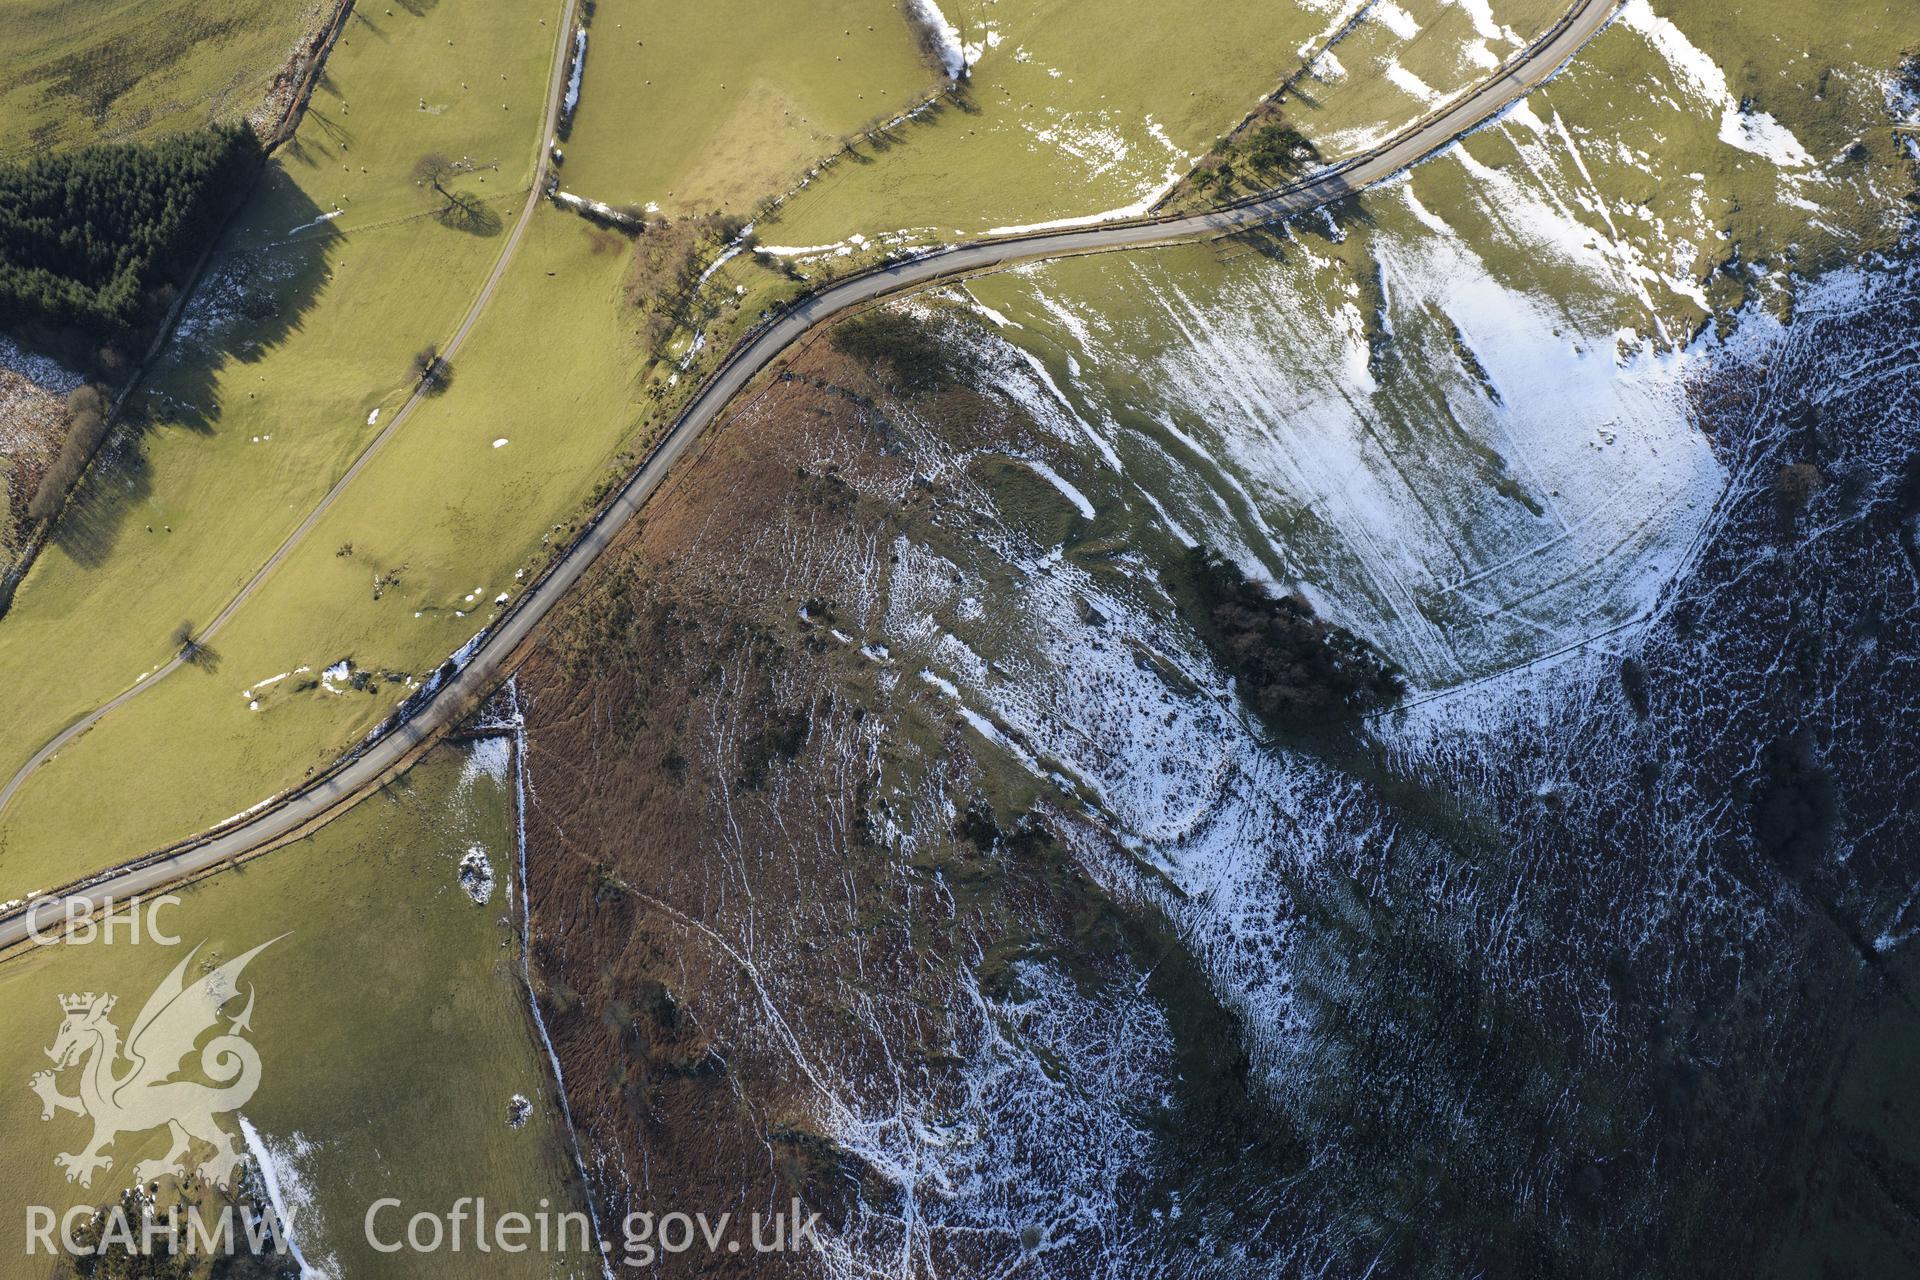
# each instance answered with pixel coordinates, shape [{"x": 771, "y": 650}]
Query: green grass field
[
  {"x": 390, "y": 1021},
  {"x": 1069, "y": 113},
  {"x": 118, "y": 70},
  {"x": 717, "y": 106},
  {"x": 300, "y": 332},
  {"x": 440, "y": 525},
  {"x": 444, "y": 515}
]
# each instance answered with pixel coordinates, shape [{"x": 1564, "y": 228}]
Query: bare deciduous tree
[
  {"x": 86, "y": 428},
  {"x": 458, "y": 209},
  {"x": 189, "y": 646},
  {"x": 432, "y": 369},
  {"x": 435, "y": 170}
]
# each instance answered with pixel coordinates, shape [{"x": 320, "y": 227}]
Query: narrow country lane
[{"x": 311, "y": 803}]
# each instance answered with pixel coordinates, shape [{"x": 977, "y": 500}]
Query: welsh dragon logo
[{"x": 144, "y": 1095}]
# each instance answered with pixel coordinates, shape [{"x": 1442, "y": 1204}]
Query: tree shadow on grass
[
  {"x": 253, "y": 296},
  {"x": 884, "y": 135},
  {"x": 337, "y": 133},
  {"x": 1268, "y": 239},
  {"x": 117, "y": 484},
  {"x": 1342, "y": 216},
  {"x": 471, "y": 214},
  {"x": 373, "y": 28},
  {"x": 193, "y": 650}
]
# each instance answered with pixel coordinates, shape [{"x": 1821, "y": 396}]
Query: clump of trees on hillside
[
  {"x": 1295, "y": 670},
  {"x": 109, "y": 1245},
  {"x": 667, "y": 261},
  {"x": 1795, "y": 484},
  {"x": 1280, "y": 150},
  {"x": 913, "y": 357},
  {"x": 1261, "y": 154},
  {"x": 91, "y": 239},
  {"x": 86, "y": 428}
]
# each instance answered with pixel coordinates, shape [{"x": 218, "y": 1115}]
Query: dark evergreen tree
[{"x": 88, "y": 238}]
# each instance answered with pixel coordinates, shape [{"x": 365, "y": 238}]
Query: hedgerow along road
[{"x": 490, "y": 661}]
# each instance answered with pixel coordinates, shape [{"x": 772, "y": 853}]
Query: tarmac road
[{"x": 494, "y": 657}]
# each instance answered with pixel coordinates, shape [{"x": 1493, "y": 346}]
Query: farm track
[
  {"x": 306, "y": 526},
  {"x": 286, "y": 817}
]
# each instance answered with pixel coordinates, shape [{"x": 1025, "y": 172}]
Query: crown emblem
[{"x": 181, "y": 1014}]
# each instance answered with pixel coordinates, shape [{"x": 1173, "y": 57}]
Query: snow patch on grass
[
  {"x": 320, "y": 221},
  {"x": 953, "y": 55},
  {"x": 282, "y": 1169},
  {"x": 490, "y": 758},
  {"x": 1747, "y": 128},
  {"x": 1060, "y": 482},
  {"x": 1395, "y": 19},
  {"x": 476, "y": 874},
  {"x": 572, "y": 98},
  {"x": 1410, "y": 84}
]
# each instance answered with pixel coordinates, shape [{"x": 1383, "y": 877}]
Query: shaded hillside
[
  {"x": 893, "y": 841},
  {"x": 795, "y": 922}
]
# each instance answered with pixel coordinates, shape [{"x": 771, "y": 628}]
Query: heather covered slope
[
  {"x": 960, "y": 897},
  {"x": 799, "y": 936}
]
